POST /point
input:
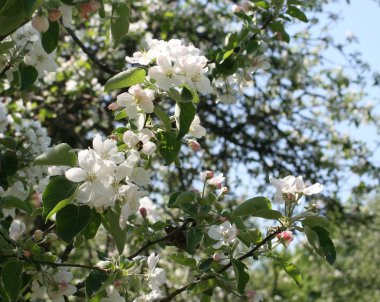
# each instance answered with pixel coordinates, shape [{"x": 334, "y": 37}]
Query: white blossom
[
  {"x": 164, "y": 73},
  {"x": 62, "y": 279},
  {"x": 113, "y": 295},
  {"x": 42, "y": 61},
  {"x": 141, "y": 141},
  {"x": 225, "y": 234},
  {"x": 136, "y": 97},
  {"x": 196, "y": 129},
  {"x": 107, "y": 149},
  {"x": 156, "y": 276},
  {"x": 16, "y": 229}
]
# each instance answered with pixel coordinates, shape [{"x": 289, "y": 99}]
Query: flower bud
[
  {"x": 113, "y": 106},
  {"x": 27, "y": 254},
  {"x": 104, "y": 264},
  {"x": 285, "y": 237},
  {"x": 194, "y": 145},
  {"x": 38, "y": 234},
  {"x": 222, "y": 218},
  {"x": 40, "y": 23},
  {"x": 54, "y": 15},
  {"x": 224, "y": 190},
  {"x": 51, "y": 237},
  {"x": 85, "y": 9},
  {"x": 216, "y": 257},
  {"x": 143, "y": 212},
  {"x": 117, "y": 284}
]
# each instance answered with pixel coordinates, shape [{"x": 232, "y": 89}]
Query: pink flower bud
[
  {"x": 113, "y": 106},
  {"x": 224, "y": 190},
  {"x": 222, "y": 218},
  {"x": 27, "y": 254},
  {"x": 285, "y": 237},
  {"x": 117, "y": 283},
  {"x": 216, "y": 257},
  {"x": 54, "y": 15},
  {"x": 209, "y": 174},
  {"x": 95, "y": 5},
  {"x": 40, "y": 23},
  {"x": 194, "y": 145},
  {"x": 143, "y": 212}
]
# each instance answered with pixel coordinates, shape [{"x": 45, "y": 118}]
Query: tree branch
[
  {"x": 90, "y": 53},
  {"x": 162, "y": 239},
  {"x": 224, "y": 268}
]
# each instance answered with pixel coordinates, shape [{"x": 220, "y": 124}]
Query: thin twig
[
  {"x": 90, "y": 54},
  {"x": 162, "y": 239},
  {"x": 224, "y": 268}
]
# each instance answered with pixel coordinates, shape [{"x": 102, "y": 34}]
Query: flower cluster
[{"x": 175, "y": 65}]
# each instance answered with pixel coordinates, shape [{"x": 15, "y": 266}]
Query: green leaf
[
  {"x": 71, "y": 220},
  {"x": 293, "y": 271},
  {"x": 58, "y": 193},
  {"x": 119, "y": 21},
  {"x": 14, "y": 202},
  {"x": 319, "y": 239},
  {"x": 241, "y": 275},
  {"x": 317, "y": 221},
  {"x": 50, "y": 38},
  {"x": 11, "y": 276},
  {"x": 111, "y": 223},
  {"x": 94, "y": 282},
  {"x": 8, "y": 164},
  {"x": 257, "y": 207},
  {"x": 28, "y": 75},
  {"x": 168, "y": 146},
  {"x": 125, "y": 79},
  {"x": 59, "y": 155},
  {"x": 203, "y": 286},
  {"x": 278, "y": 27},
  {"x": 163, "y": 117},
  {"x": 93, "y": 226},
  {"x": 297, "y": 13},
  {"x": 9, "y": 142},
  {"x": 5, "y": 46},
  {"x": 193, "y": 238},
  {"x": 183, "y": 260},
  {"x": 184, "y": 117},
  {"x": 180, "y": 198},
  {"x": 205, "y": 264},
  {"x": 249, "y": 237}
]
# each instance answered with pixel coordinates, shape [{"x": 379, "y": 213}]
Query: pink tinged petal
[
  {"x": 135, "y": 90},
  {"x": 124, "y": 99},
  {"x": 76, "y": 174}
]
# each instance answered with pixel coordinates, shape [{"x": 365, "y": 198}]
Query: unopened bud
[
  {"x": 38, "y": 234},
  {"x": 51, "y": 237},
  {"x": 27, "y": 254},
  {"x": 314, "y": 208},
  {"x": 54, "y": 15},
  {"x": 104, "y": 264},
  {"x": 194, "y": 145},
  {"x": 222, "y": 218},
  {"x": 117, "y": 284},
  {"x": 216, "y": 257},
  {"x": 224, "y": 190},
  {"x": 113, "y": 106},
  {"x": 143, "y": 212},
  {"x": 40, "y": 23},
  {"x": 285, "y": 237}
]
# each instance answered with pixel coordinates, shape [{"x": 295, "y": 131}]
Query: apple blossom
[
  {"x": 107, "y": 149},
  {"x": 113, "y": 295},
  {"x": 42, "y": 61},
  {"x": 196, "y": 129},
  {"x": 156, "y": 276},
  {"x": 16, "y": 229},
  {"x": 165, "y": 74},
  {"x": 194, "y": 69},
  {"x": 62, "y": 279},
  {"x": 136, "y": 97},
  {"x": 140, "y": 141},
  {"x": 67, "y": 15},
  {"x": 216, "y": 181},
  {"x": 225, "y": 234},
  {"x": 206, "y": 175}
]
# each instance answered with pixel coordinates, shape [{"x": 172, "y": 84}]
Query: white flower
[
  {"x": 196, "y": 129},
  {"x": 113, "y": 295},
  {"x": 67, "y": 15},
  {"x": 224, "y": 233},
  {"x": 62, "y": 279},
  {"x": 38, "y": 291},
  {"x": 194, "y": 68},
  {"x": 41, "y": 60},
  {"x": 152, "y": 296},
  {"x": 107, "y": 149},
  {"x": 141, "y": 141},
  {"x": 140, "y": 176},
  {"x": 293, "y": 188},
  {"x": 216, "y": 181},
  {"x": 165, "y": 74},
  {"x": 136, "y": 97},
  {"x": 96, "y": 187},
  {"x": 25, "y": 34},
  {"x": 130, "y": 196},
  {"x": 156, "y": 276},
  {"x": 141, "y": 57},
  {"x": 16, "y": 229}
]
